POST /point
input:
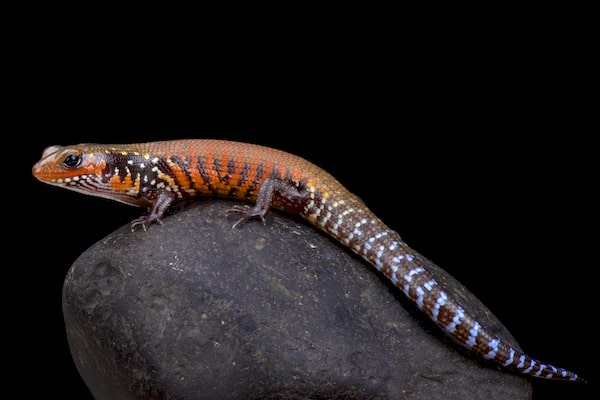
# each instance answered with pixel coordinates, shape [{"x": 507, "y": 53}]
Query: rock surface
[{"x": 192, "y": 309}]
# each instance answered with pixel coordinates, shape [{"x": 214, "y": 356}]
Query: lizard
[{"x": 158, "y": 174}]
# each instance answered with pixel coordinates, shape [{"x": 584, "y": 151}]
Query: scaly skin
[{"x": 157, "y": 174}]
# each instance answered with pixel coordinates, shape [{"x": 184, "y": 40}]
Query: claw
[
  {"x": 247, "y": 213},
  {"x": 141, "y": 221},
  {"x": 239, "y": 209},
  {"x": 144, "y": 222}
]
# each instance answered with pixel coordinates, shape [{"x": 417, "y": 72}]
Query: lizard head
[
  {"x": 87, "y": 169},
  {"x": 68, "y": 166}
]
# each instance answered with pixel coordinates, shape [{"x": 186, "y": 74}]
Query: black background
[{"x": 476, "y": 150}]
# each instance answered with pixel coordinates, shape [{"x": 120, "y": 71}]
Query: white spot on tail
[
  {"x": 420, "y": 294},
  {"x": 440, "y": 302},
  {"x": 528, "y": 370},
  {"x": 511, "y": 357},
  {"x": 366, "y": 248},
  {"x": 394, "y": 275},
  {"x": 412, "y": 272},
  {"x": 380, "y": 252},
  {"x": 348, "y": 238},
  {"x": 456, "y": 320},
  {"x": 430, "y": 284},
  {"x": 542, "y": 367},
  {"x": 473, "y": 332},
  {"x": 493, "y": 344}
]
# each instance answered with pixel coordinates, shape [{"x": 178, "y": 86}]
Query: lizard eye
[{"x": 72, "y": 160}]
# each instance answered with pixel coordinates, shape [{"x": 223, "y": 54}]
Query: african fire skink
[{"x": 158, "y": 174}]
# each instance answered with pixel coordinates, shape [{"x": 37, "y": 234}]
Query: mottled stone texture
[{"x": 192, "y": 309}]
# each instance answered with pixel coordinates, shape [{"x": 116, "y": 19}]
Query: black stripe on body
[{"x": 202, "y": 168}]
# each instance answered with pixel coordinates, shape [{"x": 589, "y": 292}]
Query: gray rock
[{"x": 192, "y": 309}]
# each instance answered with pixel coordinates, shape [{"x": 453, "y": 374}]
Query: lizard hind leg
[{"x": 285, "y": 190}]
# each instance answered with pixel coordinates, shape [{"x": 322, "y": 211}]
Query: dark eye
[{"x": 72, "y": 160}]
